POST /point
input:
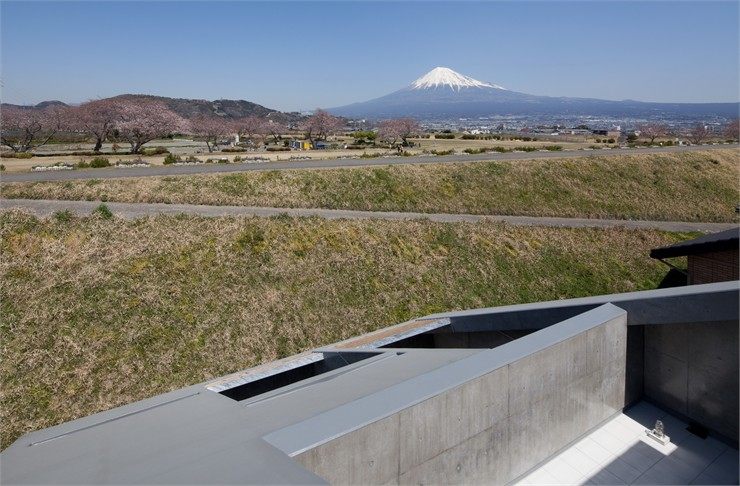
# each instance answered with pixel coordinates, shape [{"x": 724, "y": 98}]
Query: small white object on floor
[{"x": 658, "y": 433}]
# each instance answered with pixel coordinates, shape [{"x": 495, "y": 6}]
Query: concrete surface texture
[
  {"x": 493, "y": 428},
  {"x": 45, "y": 207},
  {"x": 682, "y": 347},
  {"x": 714, "y": 302},
  {"x": 113, "y": 173},
  {"x": 619, "y": 452},
  {"x": 692, "y": 369}
]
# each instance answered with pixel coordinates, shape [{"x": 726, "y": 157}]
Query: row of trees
[
  {"x": 132, "y": 121},
  {"x": 137, "y": 121},
  {"x": 698, "y": 133},
  {"x": 322, "y": 124}
]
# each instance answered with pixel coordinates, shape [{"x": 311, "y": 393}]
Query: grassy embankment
[
  {"x": 100, "y": 312},
  {"x": 695, "y": 186}
]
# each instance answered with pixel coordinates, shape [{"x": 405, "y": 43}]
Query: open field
[
  {"x": 690, "y": 186},
  {"x": 198, "y": 149},
  {"x": 101, "y": 312}
]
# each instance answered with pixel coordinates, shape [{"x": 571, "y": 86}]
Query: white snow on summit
[{"x": 442, "y": 76}]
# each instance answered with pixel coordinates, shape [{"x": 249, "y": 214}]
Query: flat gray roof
[{"x": 723, "y": 240}]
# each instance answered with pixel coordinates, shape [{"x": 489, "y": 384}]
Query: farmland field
[{"x": 62, "y": 153}]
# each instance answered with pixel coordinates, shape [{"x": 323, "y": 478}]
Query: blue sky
[{"x": 303, "y": 55}]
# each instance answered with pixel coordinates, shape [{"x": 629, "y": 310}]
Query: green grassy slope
[
  {"x": 696, "y": 186},
  {"x": 97, "y": 313}
]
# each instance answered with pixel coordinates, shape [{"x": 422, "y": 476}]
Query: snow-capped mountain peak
[
  {"x": 446, "y": 77},
  {"x": 443, "y": 94}
]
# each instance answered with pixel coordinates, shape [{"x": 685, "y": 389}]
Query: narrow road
[
  {"x": 45, "y": 208},
  {"x": 162, "y": 170}
]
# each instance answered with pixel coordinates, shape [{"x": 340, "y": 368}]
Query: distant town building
[{"x": 300, "y": 144}]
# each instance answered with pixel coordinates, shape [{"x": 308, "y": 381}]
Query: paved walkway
[
  {"x": 619, "y": 452},
  {"x": 135, "y": 210},
  {"x": 161, "y": 170}
]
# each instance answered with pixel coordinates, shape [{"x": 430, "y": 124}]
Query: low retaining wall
[{"x": 537, "y": 395}]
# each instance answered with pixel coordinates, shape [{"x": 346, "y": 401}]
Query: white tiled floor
[{"x": 619, "y": 452}]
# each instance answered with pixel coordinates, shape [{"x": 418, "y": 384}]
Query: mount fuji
[{"x": 444, "y": 93}]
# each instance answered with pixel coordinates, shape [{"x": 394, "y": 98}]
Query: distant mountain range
[
  {"x": 189, "y": 108},
  {"x": 444, "y": 93}
]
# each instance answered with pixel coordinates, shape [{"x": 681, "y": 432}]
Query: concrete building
[
  {"x": 710, "y": 258},
  {"x": 558, "y": 392}
]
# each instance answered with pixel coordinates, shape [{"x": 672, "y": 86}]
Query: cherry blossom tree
[
  {"x": 253, "y": 128},
  {"x": 653, "y": 131},
  {"x": 732, "y": 130},
  {"x": 275, "y": 129},
  {"x": 140, "y": 121},
  {"x": 321, "y": 124},
  {"x": 397, "y": 129},
  {"x": 212, "y": 129},
  {"x": 698, "y": 133},
  {"x": 23, "y": 129},
  {"x": 96, "y": 118}
]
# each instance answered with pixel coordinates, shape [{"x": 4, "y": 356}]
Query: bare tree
[
  {"x": 253, "y": 128},
  {"x": 732, "y": 130},
  {"x": 321, "y": 124},
  {"x": 397, "y": 129},
  {"x": 275, "y": 129},
  {"x": 653, "y": 131},
  {"x": 212, "y": 129},
  {"x": 96, "y": 118},
  {"x": 23, "y": 129},
  {"x": 698, "y": 133},
  {"x": 142, "y": 120}
]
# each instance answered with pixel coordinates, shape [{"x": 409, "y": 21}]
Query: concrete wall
[
  {"x": 493, "y": 428},
  {"x": 693, "y": 370},
  {"x": 635, "y": 379},
  {"x": 693, "y": 303}
]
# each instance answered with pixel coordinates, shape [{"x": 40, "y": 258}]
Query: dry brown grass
[
  {"x": 695, "y": 186},
  {"x": 460, "y": 144},
  {"x": 98, "y": 313},
  {"x": 199, "y": 150}
]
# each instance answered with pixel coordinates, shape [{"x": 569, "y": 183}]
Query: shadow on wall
[
  {"x": 619, "y": 452},
  {"x": 674, "y": 278}
]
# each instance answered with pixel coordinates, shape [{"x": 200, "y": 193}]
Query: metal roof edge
[
  {"x": 322, "y": 428},
  {"x": 689, "y": 290}
]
